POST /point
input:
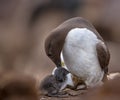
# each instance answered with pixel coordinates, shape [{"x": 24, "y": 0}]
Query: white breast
[{"x": 80, "y": 56}]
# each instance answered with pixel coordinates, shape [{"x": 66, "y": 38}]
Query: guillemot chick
[
  {"x": 55, "y": 88},
  {"x": 51, "y": 87}
]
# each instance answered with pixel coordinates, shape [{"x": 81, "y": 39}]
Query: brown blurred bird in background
[{"x": 14, "y": 86}]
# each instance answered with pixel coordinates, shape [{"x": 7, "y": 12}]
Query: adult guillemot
[{"x": 84, "y": 50}]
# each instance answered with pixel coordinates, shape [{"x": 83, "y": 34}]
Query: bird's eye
[{"x": 49, "y": 54}]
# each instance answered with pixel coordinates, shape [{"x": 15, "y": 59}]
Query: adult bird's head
[{"x": 53, "y": 46}]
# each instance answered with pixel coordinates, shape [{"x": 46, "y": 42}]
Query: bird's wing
[{"x": 103, "y": 56}]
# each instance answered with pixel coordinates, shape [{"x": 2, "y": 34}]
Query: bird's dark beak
[{"x": 59, "y": 64}]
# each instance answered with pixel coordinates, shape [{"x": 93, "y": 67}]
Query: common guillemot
[{"x": 84, "y": 50}]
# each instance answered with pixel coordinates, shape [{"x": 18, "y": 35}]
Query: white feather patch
[{"x": 80, "y": 56}]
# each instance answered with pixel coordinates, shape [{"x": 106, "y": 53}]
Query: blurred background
[{"x": 24, "y": 25}]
